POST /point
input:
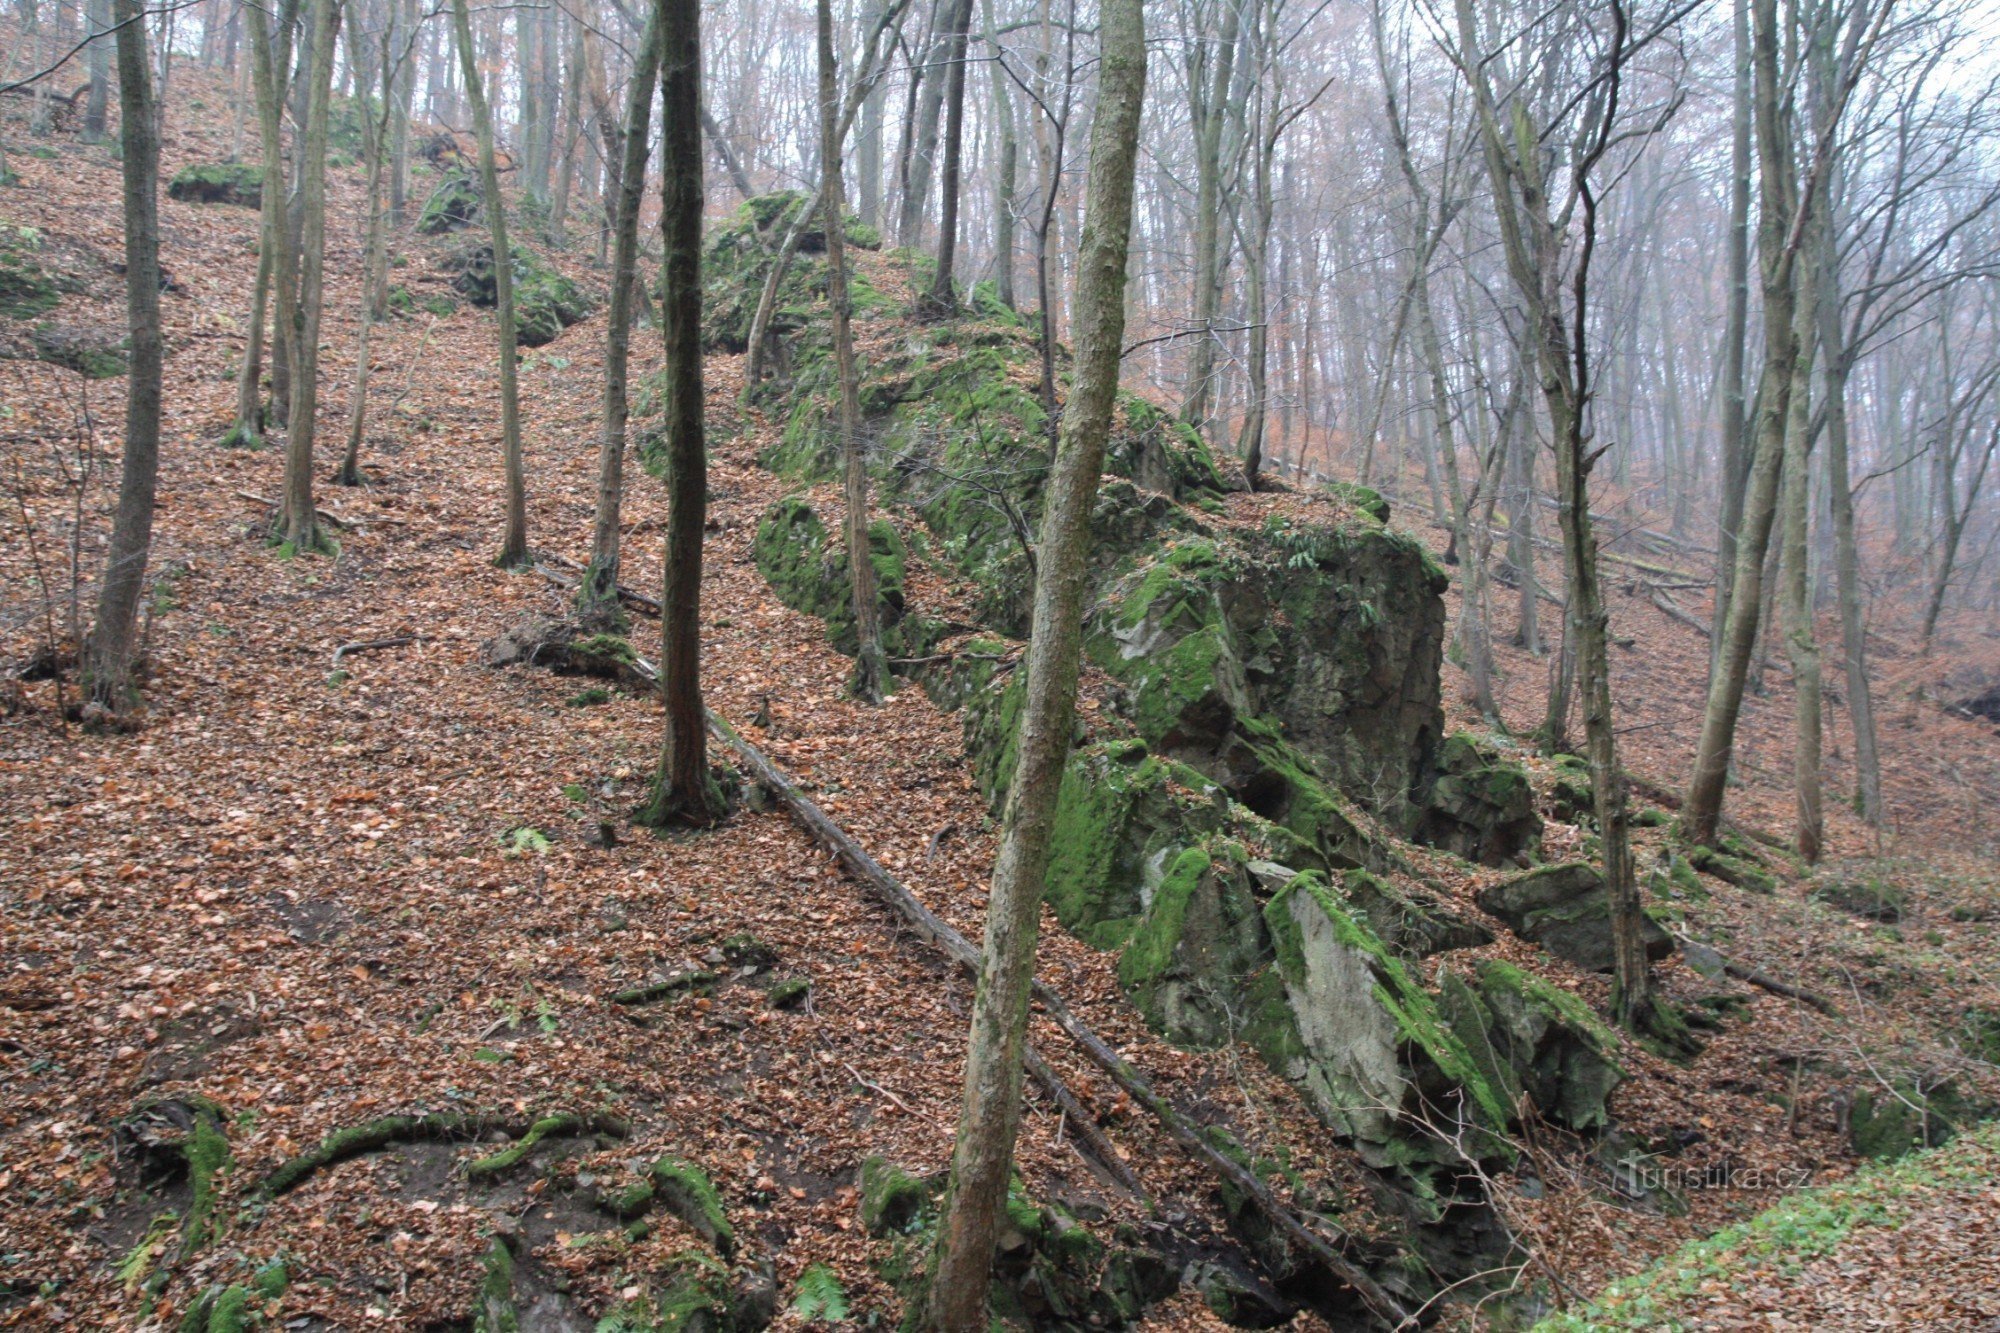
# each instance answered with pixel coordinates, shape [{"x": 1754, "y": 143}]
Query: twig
[
  {"x": 878, "y": 1088},
  {"x": 1765, "y": 981}
]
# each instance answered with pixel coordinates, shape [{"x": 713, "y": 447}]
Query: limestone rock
[
  {"x": 1481, "y": 807},
  {"x": 1534, "y": 1038},
  {"x": 1564, "y": 909}
]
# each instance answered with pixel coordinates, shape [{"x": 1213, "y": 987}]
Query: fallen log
[
  {"x": 856, "y": 861},
  {"x": 373, "y": 645},
  {"x": 1765, "y": 981}
]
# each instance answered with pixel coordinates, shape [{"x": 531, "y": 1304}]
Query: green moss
[
  {"x": 452, "y": 205},
  {"x": 1366, "y": 499},
  {"x": 1730, "y": 869},
  {"x": 239, "y": 183},
  {"x": 685, "y": 1190},
  {"x": 892, "y": 1200},
  {"x": 499, "y": 1163},
  {"x": 26, "y": 290},
  {"x": 1784, "y": 1241},
  {"x": 789, "y": 994},
  {"x": 208, "y": 1157},
  {"x": 496, "y": 1313}
]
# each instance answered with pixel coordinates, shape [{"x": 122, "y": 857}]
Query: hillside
[{"x": 325, "y": 888}]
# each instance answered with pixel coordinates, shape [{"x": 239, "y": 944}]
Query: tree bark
[
  {"x": 108, "y": 656},
  {"x": 299, "y": 517},
  {"x": 983, "y": 1157},
  {"x": 597, "y": 590},
  {"x": 514, "y": 541},
  {"x": 942, "y": 298},
  {"x": 1208, "y": 217},
  {"x": 870, "y": 666},
  {"x": 684, "y": 792},
  {"x": 1801, "y": 643}
]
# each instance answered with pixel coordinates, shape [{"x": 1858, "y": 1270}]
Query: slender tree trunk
[
  {"x": 943, "y": 298},
  {"x": 870, "y": 668},
  {"x": 1801, "y": 642},
  {"x": 99, "y": 61},
  {"x": 684, "y": 792},
  {"x": 375, "y": 258},
  {"x": 1735, "y": 337},
  {"x": 1208, "y": 222},
  {"x": 247, "y": 431},
  {"x": 514, "y": 542},
  {"x": 268, "y": 67},
  {"x": 1847, "y": 558},
  {"x": 1702, "y": 810},
  {"x": 982, "y": 1160},
  {"x": 109, "y": 654},
  {"x": 1006, "y": 167},
  {"x": 920, "y": 128},
  {"x": 299, "y": 519},
  {"x": 597, "y": 591}
]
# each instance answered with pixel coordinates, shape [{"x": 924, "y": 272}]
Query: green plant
[
  {"x": 521, "y": 840},
  {"x": 819, "y": 1295}
]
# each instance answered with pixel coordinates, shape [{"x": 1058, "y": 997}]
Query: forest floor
[{"x": 306, "y": 893}]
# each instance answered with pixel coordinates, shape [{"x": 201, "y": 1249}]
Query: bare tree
[{"x": 983, "y": 1158}]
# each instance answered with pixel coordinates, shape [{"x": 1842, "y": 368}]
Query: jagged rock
[
  {"x": 240, "y": 183},
  {"x": 454, "y": 204},
  {"x": 1572, "y": 798},
  {"x": 545, "y": 302},
  {"x": 1369, "y": 1050},
  {"x": 1867, "y": 896},
  {"x": 92, "y": 353},
  {"x": 1481, "y": 807},
  {"x": 1534, "y": 1038},
  {"x": 1365, "y": 499},
  {"x": 1201, "y": 936},
  {"x": 1237, "y": 1298},
  {"x": 1413, "y": 923},
  {"x": 1564, "y": 909}
]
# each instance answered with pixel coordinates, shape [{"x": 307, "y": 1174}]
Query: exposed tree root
[
  {"x": 429, "y": 1126},
  {"x": 562, "y": 1124},
  {"x": 660, "y": 990},
  {"x": 372, "y": 645}
]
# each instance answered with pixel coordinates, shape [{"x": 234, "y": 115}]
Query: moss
[
  {"x": 789, "y": 994},
  {"x": 892, "y": 1200},
  {"x": 239, "y": 183},
  {"x": 1730, "y": 869},
  {"x": 496, "y": 1312},
  {"x": 1868, "y": 896},
  {"x": 806, "y": 565},
  {"x": 26, "y": 290},
  {"x": 1150, "y": 951},
  {"x": 208, "y": 1158},
  {"x": 690, "y": 1295},
  {"x": 499, "y": 1163},
  {"x": 545, "y": 302},
  {"x": 1418, "y": 1025},
  {"x": 685, "y": 1190},
  {"x": 453, "y": 204},
  {"x": 1365, "y": 499}
]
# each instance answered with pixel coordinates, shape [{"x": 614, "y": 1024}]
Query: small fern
[{"x": 820, "y": 1296}]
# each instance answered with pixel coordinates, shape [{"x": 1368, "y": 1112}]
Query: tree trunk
[
  {"x": 982, "y": 1159},
  {"x": 1801, "y": 643},
  {"x": 1847, "y": 558},
  {"x": 108, "y": 656},
  {"x": 597, "y": 591},
  {"x": 1208, "y": 222},
  {"x": 269, "y": 67},
  {"x": 94, "y": 107},
  {"x": 514, "y": 542},
  {"x": 942, "y": 298},
  {"x": 1735, "y": 337},
  {"x": 1006, "y": 167},
  {"x": 920, "y": 129},
  {"x": 374, "y": 118},
  {"x": 299, "y": 518},
  {"x": 684, "y": 792},
  {"x": 1702, "y": 811},
  {"x": 870, "y": 668}
]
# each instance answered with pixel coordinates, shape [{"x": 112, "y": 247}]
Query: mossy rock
[
  {"x": 1732, "y": 869},
  {"x": 1887, "y": 1123},
  {"x": 240, "y": 183},
  {"x": 545, "y": 302},
  {"x": 1364, "y": 499},
  {"x": 1202, "y": 936},
  {"x": 892, "y": 1200},
  {"x": 1411, "y": 922},
  {"x": 26, "y": 288},
  {"x": 1372, "y": 1047},
  {"x": 806, "y": 565},
  {"x": 691, "y": 1293},
  {"x": 89, "y": 352},
  {"x": 1867, "y": 896},
  {"x": 685, "y": 1190},
  {"x": 453, "y": 205},
  {"x": 1532, "y": 1038},
  {"x": 1565, "y": 909},
  {"x": 1481, "y": 806},
  {"x": 1572, "y": 798}
]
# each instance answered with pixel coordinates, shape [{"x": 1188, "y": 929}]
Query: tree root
[
  {"x": 429, "y": 1126},
  {"x": 660, "y": 990},
  {"x": 561, "y": 1125}
]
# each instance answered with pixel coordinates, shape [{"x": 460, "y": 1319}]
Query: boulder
[
  {"x": 1565, "y": 909},
  {"x": 1481, "y": 807},
  {"x": 545, "y": 302},
  {"x": 806, "y": 565},
  {"x": 453, "y": 205},
  {"x": 1532, "y": 1038},
  {"x": 27, "y": 289},
  {"x": 240, "y": 183}
]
